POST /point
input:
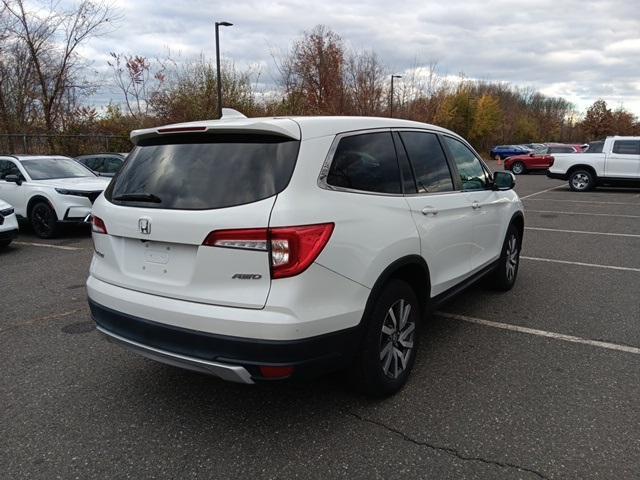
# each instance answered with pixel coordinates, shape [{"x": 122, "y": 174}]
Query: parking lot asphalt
[{"x": 539, "y": 382}]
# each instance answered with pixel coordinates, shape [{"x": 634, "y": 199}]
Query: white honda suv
[
  {"x": 271, "y": 248},
  {"x": 49, "y": 191}
]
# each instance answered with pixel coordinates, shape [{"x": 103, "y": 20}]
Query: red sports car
[{"x": 537, "y": 160}]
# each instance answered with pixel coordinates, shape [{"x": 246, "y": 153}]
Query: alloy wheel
[
  {"x": 580, "y": 181},
  {"x": 397, "y": 339},
  {"x": 512, "y": 255},
  {"x": 42, "y": 219}
]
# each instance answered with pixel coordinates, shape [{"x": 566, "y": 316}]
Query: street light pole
[
  {"x": 219, "y": 76},
  {"x": 391, "y": 102}
]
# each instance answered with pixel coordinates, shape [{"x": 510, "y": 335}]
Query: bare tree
[
  {"x": 365, "y": 80},
  {"x": 52, "y": 39},
  {"x": 138, "y": 78}
]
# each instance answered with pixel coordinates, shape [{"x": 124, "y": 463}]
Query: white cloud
[{"x": 580, "y": 50}]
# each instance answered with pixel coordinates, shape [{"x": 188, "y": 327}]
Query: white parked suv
[
  {"x": 49, "y": 190},
  {"x": 271, "y": 248},
  {"x": 8, "y": 224},
  {"x": 614, "y": 161}
]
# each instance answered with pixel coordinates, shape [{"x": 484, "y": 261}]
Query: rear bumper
[
  {"x": 556, "y": 176},
  {"x": 231, "y": 358}
]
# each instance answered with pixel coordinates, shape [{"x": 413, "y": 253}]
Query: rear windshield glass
[
  {"x": 595, "y": 147},
  {"x": 198, "y": 172}
]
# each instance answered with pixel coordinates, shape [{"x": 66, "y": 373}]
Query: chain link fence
[{"x": 62, "y": 144}]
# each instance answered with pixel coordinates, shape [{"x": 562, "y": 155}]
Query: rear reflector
[
  {"x": 292, "y": 249},
  {"x": 276, "y": 372},
  {"x": 97, "y": 225}
]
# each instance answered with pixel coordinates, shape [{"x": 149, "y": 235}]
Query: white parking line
[
  {"x": 631, "y": 235},
  {"x": 582, "y": 201},
  {"x": 584, "y": 213},
  {"x": 581, "y": 264},
  {"x": 541, "y": 333},
  {"x": 59, "y": 247},
  {"x": 542, "y": 191}
]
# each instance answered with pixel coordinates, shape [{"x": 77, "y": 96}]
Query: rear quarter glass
[{"x": 206, "y": 171}]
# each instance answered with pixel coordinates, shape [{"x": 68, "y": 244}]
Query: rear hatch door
[{"x": 172, "y": 192}]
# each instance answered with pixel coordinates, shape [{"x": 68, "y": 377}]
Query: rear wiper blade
[{"x": 138, "y": 197}]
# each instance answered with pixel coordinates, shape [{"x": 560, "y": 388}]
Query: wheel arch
[
  {"x": 412, "y": 269},
  {"x": 35, "y": 199},
  {"x": 517, "y": 220},
  {"x": 582, "y": 166}
]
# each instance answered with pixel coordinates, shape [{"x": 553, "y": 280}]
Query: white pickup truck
[{"x": 618, "y": 163}]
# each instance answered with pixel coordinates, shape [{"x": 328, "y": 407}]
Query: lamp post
[
  {"x": 219, "y": 77},
  {"x": 391, "y": 102}
]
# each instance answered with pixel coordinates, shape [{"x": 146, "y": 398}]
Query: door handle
[
  {"x": 429, "y": 211},
  {"x": 475, "y": 205}
]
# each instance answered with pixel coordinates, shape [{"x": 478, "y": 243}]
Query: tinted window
[
  {"x": 472, "y": 174},
  {"x": 428, "y": 160},
  {"x": 112, "y": 164},
  {"x": 366, "y": 162},
  {"x": 8, "y": 168},
  {"x": 560, "y": 150},
  {"x": 200, "y": 171},
  {"x": 627, "y": 147},
  {"x": 595, "y": 147},
  {"x": 49, "y": 168}
]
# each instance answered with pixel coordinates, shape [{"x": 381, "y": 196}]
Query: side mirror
[
  {"x": 17, "y": 179},
  {"x": 503, "y": 181}
]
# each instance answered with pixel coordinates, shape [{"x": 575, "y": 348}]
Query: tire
[
  {"x": 581, "y": 181},
  {"x": 518, "y": 168},
  {"x": 44, "y": 220},
  {"x": 388, "y": 348},
  {"x": 504, "y": 276}
]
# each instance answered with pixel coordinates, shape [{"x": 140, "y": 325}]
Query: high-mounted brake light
[
  {"x": 292, "y": 249},
  {"x": 97, "y": 225},
  {"x": 181, "y": 129}
]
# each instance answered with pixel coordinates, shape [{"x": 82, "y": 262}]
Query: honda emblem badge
[{"x": 144, "y": 226}]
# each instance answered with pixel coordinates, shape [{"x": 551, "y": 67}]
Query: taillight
[
  {"x": 292, "y": 249},
  {"x": 247, "y": 239},
  {"x": 551, "y": 160},
  {"x": 97, "y": 225}
]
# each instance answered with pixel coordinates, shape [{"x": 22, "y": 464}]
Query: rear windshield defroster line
[{"x": 205, "y": 171}]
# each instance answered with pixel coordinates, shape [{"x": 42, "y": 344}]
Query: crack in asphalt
[{"x": 449, "y": 450}]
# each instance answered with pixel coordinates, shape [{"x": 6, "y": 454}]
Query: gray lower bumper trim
[{"x": 233, "y": 373}]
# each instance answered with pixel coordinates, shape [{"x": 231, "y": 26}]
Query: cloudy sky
[{"x": 578, "y": 49}]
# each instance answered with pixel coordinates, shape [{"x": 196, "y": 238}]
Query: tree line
[{"x": 46, "y": 86}]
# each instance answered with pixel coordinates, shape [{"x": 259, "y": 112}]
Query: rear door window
[
  {"x": 205, "y": 171},
  {"x": 429, "y": 162},
  {"x": 366, "y": 162}
]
